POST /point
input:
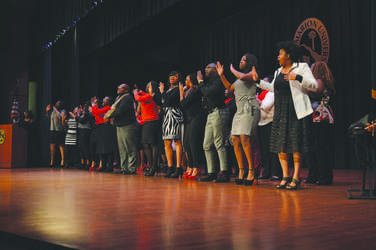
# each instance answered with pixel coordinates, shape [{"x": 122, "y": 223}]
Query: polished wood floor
[{"x": 91, "y": 210}]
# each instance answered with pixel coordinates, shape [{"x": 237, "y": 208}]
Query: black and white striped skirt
[{"x": 171, "y": 127}]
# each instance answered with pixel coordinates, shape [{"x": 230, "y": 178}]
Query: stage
[{"x": 42, "y": 208}]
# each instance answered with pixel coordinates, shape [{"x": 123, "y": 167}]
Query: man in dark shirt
[
  {"x": 126, "y": 129},
  {"x": 216, "y": 128}
]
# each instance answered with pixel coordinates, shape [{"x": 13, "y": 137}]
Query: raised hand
[
  {"x": 93, "y": 100},
  {"x": 233, "y": 70},
  {"x": 219, "y": 68},
  {"x": 151, "y": 89},
  {"x": 63, "y": 118},
  {"x": 181, "y": 90},
  {"x": 199, "y": 76},
  {"x": 161, "y": 87}
]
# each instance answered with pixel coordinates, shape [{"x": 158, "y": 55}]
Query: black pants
[
  {"x": 71, "y": 155},
  {"x": 320, "y": 162},
  {"x": 84, "y": 143},
  {"x": 193, "y": 138},
  {"x": 269, "y": 160}
]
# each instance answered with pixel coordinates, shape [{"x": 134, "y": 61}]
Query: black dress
[{"x": 288, "y": 134}]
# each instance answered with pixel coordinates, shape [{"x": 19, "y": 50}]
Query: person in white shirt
[{"x": 269, "y": 160}]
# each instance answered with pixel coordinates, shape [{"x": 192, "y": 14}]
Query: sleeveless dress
[
  {"x": 288, "y": 135},
  {"x": 247, "y": 114}
]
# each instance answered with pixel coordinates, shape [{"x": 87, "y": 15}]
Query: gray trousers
[
  {"x": 216, "y": 134},
  {"x": 127, "y": 143}
]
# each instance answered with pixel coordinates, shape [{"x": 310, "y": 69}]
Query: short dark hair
[
  {"x": 291, "y": 48},
  {"x": 172, "y": 73}
]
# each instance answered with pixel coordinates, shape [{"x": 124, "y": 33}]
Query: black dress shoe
[
  {"x": 310, "y": 181},
  {"x": 275, "y": 178},
  {"x": 169, "y": 172},
  {"x": 239, "y": 181},
  {"x": 249, "y": 182},
  {"x": 178, "y": 172},
  {"x": 210, "y": 177},
  {"x": 223, "y": 178},
  {"x": 324, "y": 182},
  {"x": 119, "y": 172},
  {"x": 130, "y": 172},
  {"x": 151, "y": 172},
  {"x": 263, "y": 177}
]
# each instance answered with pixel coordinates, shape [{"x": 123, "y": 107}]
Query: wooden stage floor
[{"x": 61, "y": 208}]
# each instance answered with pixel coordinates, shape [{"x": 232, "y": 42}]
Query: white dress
[{"x": 247, "y": 115}]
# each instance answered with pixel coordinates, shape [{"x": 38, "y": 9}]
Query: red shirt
[
  {"x": 99, "y": 113},
  {"x": 149, "y": 110}
]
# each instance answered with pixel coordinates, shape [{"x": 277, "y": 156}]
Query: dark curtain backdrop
[{"x": 138, "y": 41}]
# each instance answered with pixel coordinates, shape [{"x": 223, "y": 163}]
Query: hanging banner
[{"x": 312, "y": 36}]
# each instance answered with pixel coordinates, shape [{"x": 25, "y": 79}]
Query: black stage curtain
[
  {"x": 138, "y": 41},
  {"x": 373, "y": 48}
]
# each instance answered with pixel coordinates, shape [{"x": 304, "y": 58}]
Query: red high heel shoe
[
  {"x": 187, "y": 174},
  {"x": 92, "y": 166},
  {"x": 193, "y": 177},
  {"x": 144, "y": 168}
]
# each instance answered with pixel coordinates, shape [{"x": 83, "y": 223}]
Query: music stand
[{"x": 365, "y": 153}]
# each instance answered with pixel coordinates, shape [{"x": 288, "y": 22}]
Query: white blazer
[{"x": 302, "y": 104}]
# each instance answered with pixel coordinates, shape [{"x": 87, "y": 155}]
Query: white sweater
[
  {"x": 302, "y": 104},
  {"x": 267, "y": 109}
]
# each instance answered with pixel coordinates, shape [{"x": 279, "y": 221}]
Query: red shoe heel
[{"x": 193, "y": 177}]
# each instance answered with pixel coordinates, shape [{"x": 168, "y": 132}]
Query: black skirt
[
  {"x": 57, "y": 137},
  {"x": 288, "y": 134},
  {"x": 151, "y": 132},
  {"x": 105, "y": 138}
]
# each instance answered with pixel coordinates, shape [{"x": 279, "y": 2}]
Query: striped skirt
[{"x": 171, "y": 127}]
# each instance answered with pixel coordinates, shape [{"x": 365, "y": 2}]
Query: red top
[
  {"x": 99, "y": 113},
  {"x": 149, "y": 110}
]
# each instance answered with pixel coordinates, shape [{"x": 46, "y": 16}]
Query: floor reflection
[{"x": 88, "y": 210}]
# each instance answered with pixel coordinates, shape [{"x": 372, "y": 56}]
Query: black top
[
  {"x": 171, "y": 97},
  {"x": 214, "y": 93},
  {"x": 192, "y": 104},
  {"x": 124, "y": 113},
  {"x": 86, "y": 119},
  {"x": 281, "y": 86}
]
